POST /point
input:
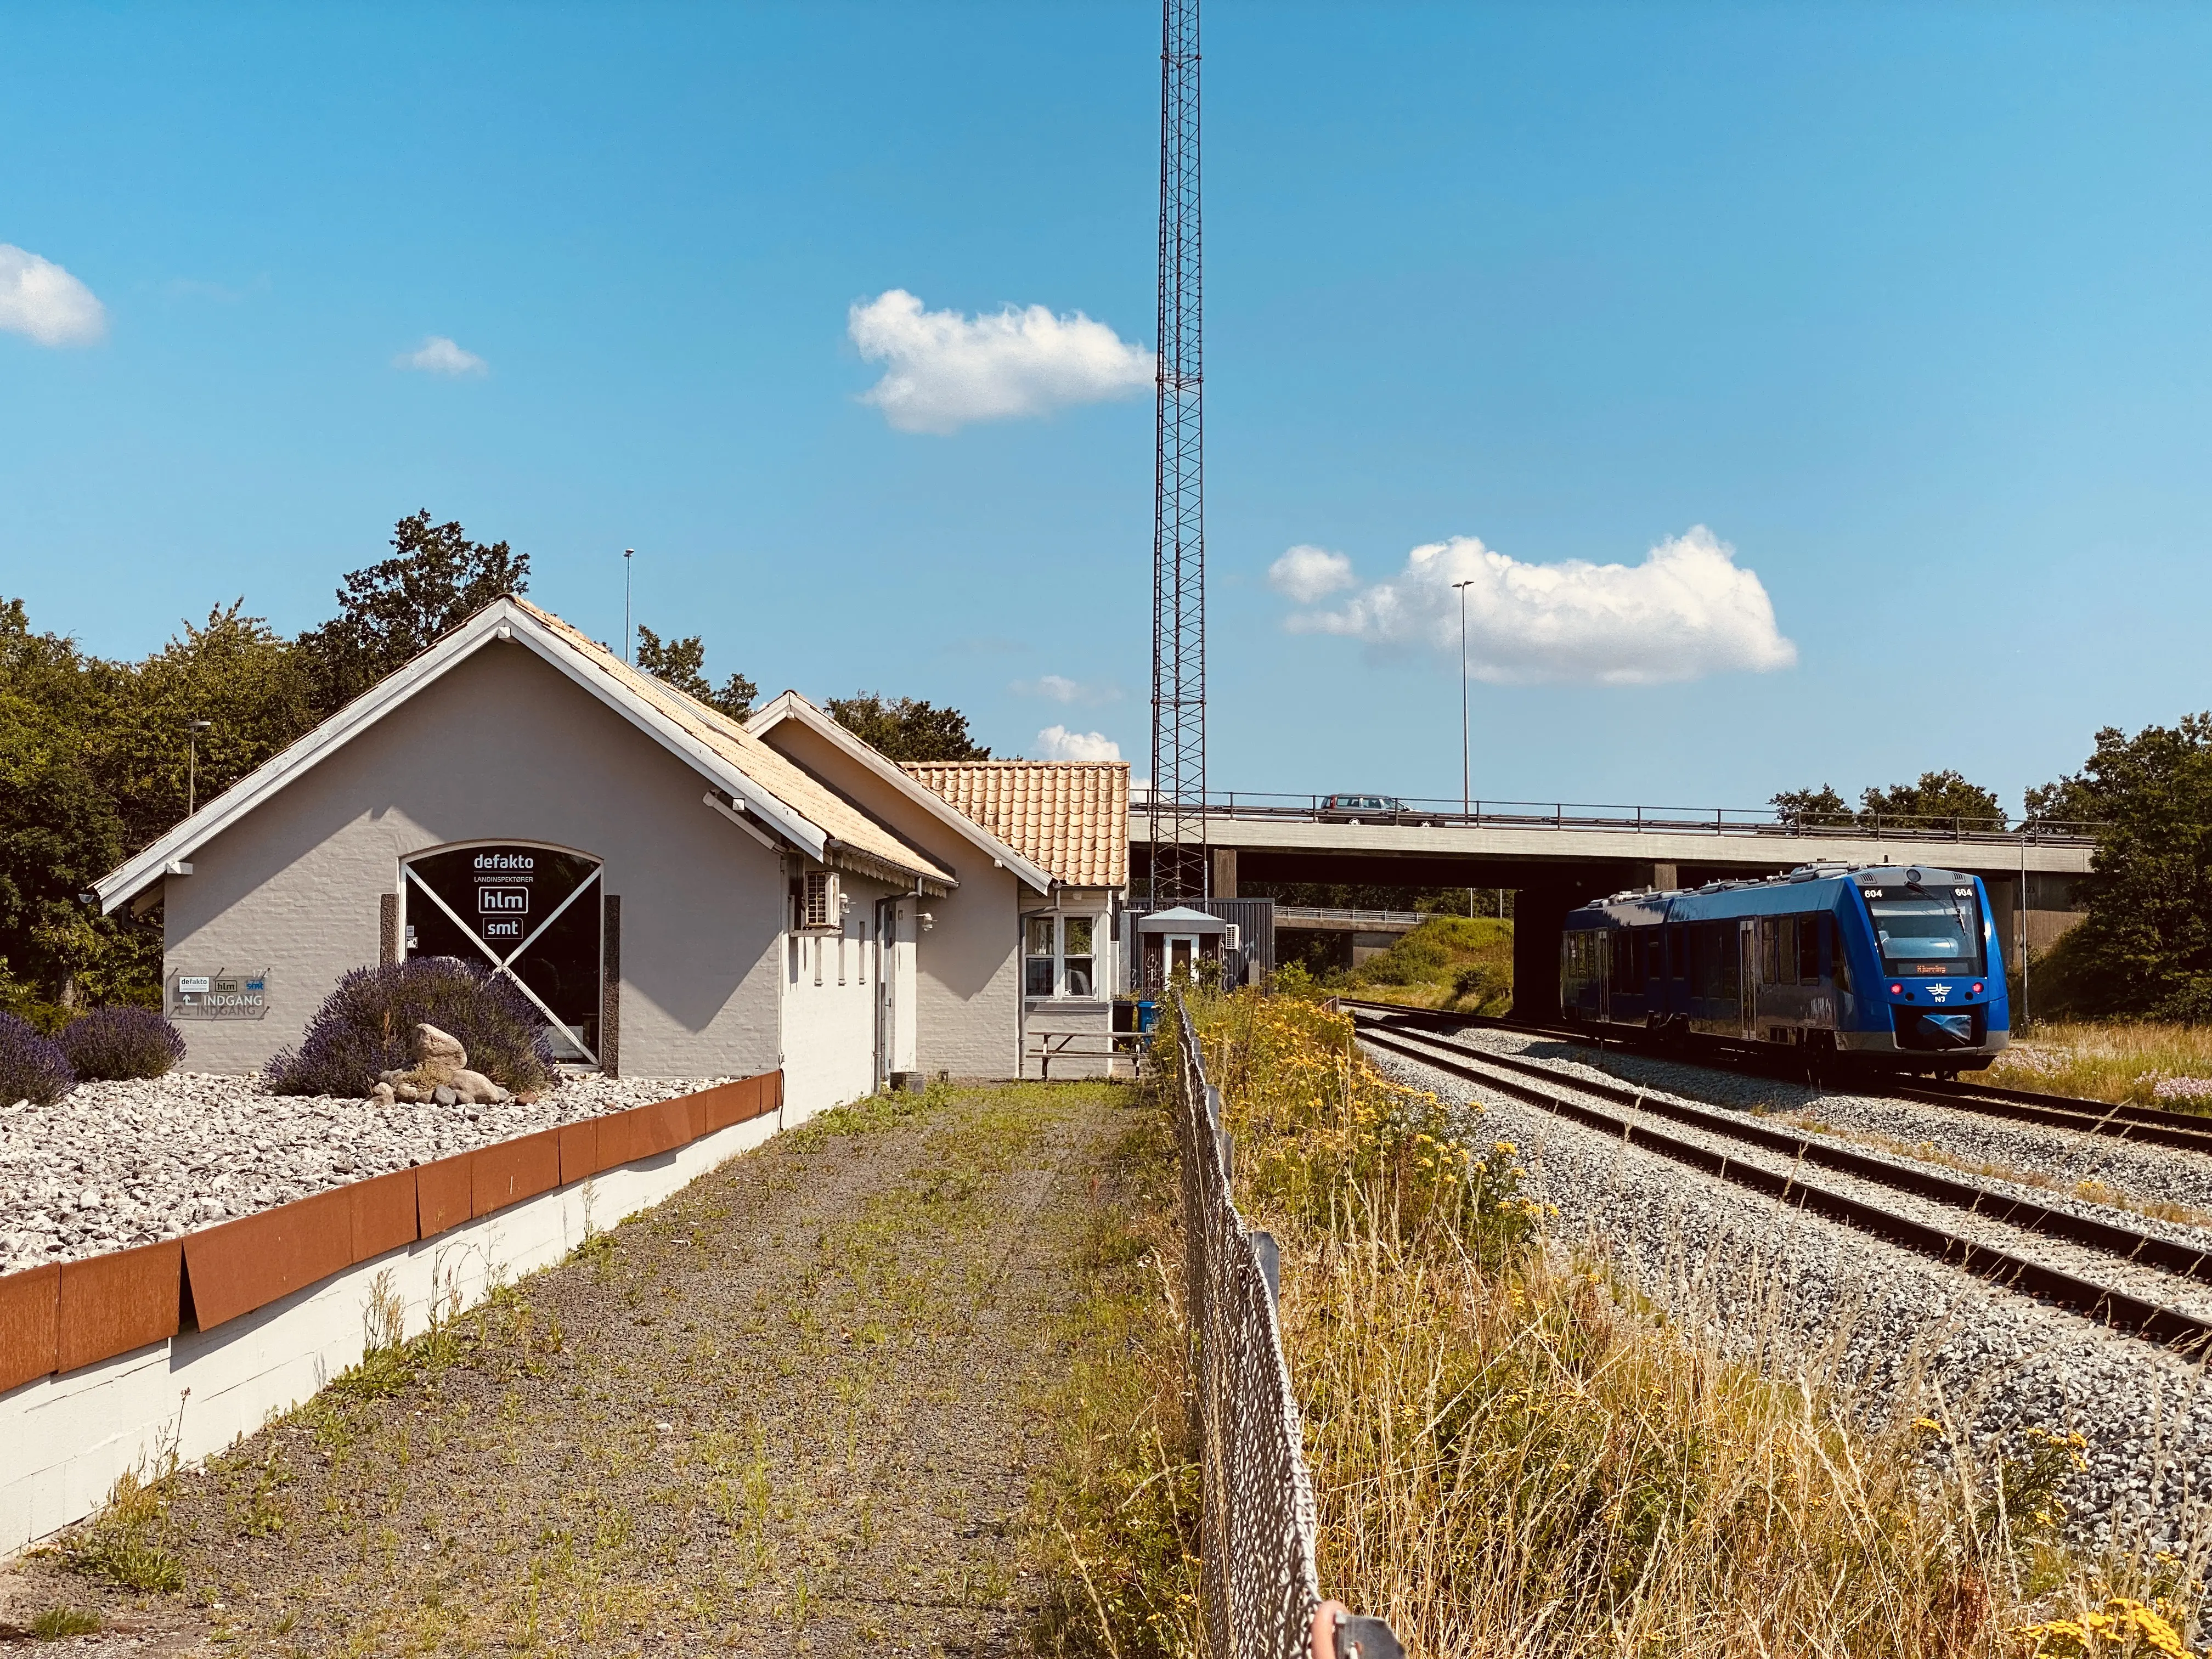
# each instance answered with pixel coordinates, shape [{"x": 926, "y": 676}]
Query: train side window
[
  {"x": 1808, "y": 950},
  {"x": 1620, "y": 962},
  {"x": 1770, "y": 949},
  {"x": 1785, "y": 950}
]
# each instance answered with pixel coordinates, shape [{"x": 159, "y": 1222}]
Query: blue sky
[{"x": 1907, "y": 306}]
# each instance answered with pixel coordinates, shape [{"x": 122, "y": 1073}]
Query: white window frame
[{"x": 1098, "y": 954}]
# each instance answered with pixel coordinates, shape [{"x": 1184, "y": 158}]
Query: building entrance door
[{"x": 529, "y": 912}]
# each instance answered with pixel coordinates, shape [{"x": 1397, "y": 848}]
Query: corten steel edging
[
  {"x": 125, "y": 1299},
  {"x": 2138, "y": 1123},
  {"x": 63, "y": 1316},
  {"x": 2117, "y": 1309},
  {"x": 508, "y": 1171},
  {"x": 2024, "y": 1213},
  {"x": 385, "y": 1213},
  {"x": 30, "y": 1324},
  {"x": 259, "y": 1259},
  {"x": 442, "y": 1191},
  {"x": 580, "y": 1151}
]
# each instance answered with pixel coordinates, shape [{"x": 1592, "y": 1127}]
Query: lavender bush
[
  {"x": 31, "y": 1067},
  {"x": 367, "y": 1026},
  {"x": 118, "y": 1043}
]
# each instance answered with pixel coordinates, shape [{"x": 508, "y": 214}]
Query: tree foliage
[
  {"x": 907, "y": 728},
  {"x": 1938, "y": 800},
  {"x": 683, "y": 664},
  {"x": 60, "y": 831},
  {"x": 392, "y": 612},
  {"x": 2144, "y": 946}
]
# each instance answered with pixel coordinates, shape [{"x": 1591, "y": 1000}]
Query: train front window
[{"x": 1928, "y": 932}]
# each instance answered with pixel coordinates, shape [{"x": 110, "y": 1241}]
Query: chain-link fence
[{"x": 1258, "y": 1590}]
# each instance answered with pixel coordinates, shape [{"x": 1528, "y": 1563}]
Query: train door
[{"x": 1746, "y": 978}]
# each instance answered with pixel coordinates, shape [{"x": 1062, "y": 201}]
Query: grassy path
[{"x": 797, "y": 1409}]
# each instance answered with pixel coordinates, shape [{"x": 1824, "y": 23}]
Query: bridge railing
[
  {"x": 1415, "y": 810},
  {"x": 1287, "y": 915}
]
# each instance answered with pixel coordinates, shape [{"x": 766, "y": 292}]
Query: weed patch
[{"x": 1512, "y": 1454}]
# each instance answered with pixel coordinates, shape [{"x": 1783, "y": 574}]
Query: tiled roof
[
  {"x": 768, "y": 766},
  {"x": 1071, "y": 816}
]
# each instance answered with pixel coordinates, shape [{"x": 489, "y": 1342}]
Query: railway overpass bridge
[{"x": 1557, "y": 855}]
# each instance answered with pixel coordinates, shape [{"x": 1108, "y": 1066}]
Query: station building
[{"x": 680, "y": 894}]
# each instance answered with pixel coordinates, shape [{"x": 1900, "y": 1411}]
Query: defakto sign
[{"x": 219, "y": 995}]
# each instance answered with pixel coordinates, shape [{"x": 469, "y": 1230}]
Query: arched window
[{"x": 530, "y": 912}]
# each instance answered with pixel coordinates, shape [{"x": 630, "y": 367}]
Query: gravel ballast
[
  {"x": 1805, "y": 1297},
  {"x": 2135, "y": 1169},
  {"x": 113, "y": 1164}
]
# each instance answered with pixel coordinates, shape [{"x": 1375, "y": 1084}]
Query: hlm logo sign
[{"x": 502, "y": 901}]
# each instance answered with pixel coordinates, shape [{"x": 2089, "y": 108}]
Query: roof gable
[
  {"x": 779, "y": 796},
  {"x": 792, "y": 708}
]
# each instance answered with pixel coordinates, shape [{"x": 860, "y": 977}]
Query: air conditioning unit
[
  {"x": 817, "y": 906},
  {"x": 1233, "y": 937}
]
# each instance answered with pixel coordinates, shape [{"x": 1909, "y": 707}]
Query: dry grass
[
  {"x": 2130, "y": 1063},
  {"x": 1513, "y": 1455}
]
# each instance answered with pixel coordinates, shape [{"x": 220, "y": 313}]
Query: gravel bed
[
  {"x": 113, "y": 1164},
  {"x": 1806, "y": 1297},
  {"x": 2137, "y": 1171},
  {"x": 1910, "y": 1122},
  {"x": 2190, "y": 1296}
]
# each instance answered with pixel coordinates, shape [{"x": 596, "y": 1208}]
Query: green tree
[
  {"x": 1944, "y": 796},
  {"x": 907, "y": 729},
  {"x": 1813, "y": 809},
  {"x": 256, "y": 690},
  {"x": 391, "y": 612},
  {"x": 58, "y": 829},
  {"x": 682, "y": 664},
  {"x": 2145, "y": 945}
]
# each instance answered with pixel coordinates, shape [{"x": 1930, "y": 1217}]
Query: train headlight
[
  {"x": 1978, "y": 988},
  {"x": 1897, "y": 990}
]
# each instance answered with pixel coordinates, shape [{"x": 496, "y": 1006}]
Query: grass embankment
[
  {"x": 1513, "y": 1455},
  {"x": 1461, "y": 962},
  {"x": 802, "y": 1406},
  {"x": 2131, "y": 1063}
]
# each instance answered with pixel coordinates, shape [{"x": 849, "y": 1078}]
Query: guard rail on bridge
[
  {"x": 1309, "y": 915},
  {"x": 1753, "y": 820}
]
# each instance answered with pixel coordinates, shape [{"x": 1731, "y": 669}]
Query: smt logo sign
[{"x": 219, "y": 996}]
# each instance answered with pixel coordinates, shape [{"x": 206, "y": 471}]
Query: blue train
[{"x": 1875, "y": 964}]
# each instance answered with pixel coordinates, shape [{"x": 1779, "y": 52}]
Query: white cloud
[
  {"x": 39, "y": 299},
  {"x": 1686, "y": 612},
  {"x": 944, "y": 370},
  {"x": 438, "y": 354},
  {"x": 1306, "y": 573},
  {"x": 1058, "y": 687},
  {"x": 1057, "y": 743}
]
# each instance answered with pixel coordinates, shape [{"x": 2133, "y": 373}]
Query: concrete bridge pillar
[
  {"x": 1539, "y": 913},
  {"x": 1225, "y": 872}
]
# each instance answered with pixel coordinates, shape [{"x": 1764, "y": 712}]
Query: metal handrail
[
  {"x": 1427, "y": 812},
  {"x": 1287, "y": 913}
]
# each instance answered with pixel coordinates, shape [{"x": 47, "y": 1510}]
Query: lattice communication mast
[{"x": 1178, "y": 803}]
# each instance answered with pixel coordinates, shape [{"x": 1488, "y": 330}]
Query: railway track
[
  {"x": 1551, "y": 1090},
  {"x": 2144, "y": 1124}
]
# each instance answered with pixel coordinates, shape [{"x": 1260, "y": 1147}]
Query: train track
[
  {"x": 1551, "y": 1090},
  {"x": 2144, "y": 1124}
]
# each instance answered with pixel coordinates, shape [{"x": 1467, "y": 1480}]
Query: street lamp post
[
  {"x": 193, "y": 730},
  {"x": 1465, "y": 773}
]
